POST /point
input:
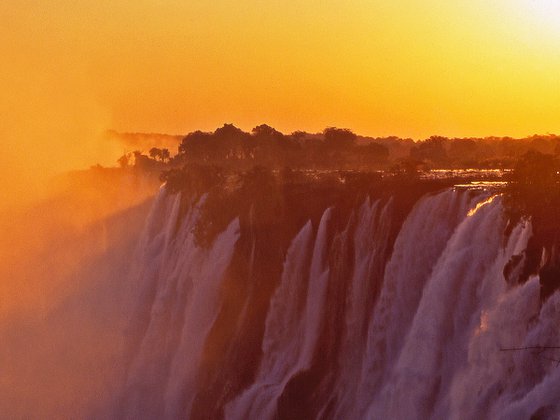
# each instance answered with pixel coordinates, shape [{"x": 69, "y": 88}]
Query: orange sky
[{"x": 72, "y": 68}]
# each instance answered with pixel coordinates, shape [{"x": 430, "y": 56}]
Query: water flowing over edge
[{"x": 368, "y": 325}]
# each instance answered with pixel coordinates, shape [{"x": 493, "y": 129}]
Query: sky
[{"x": 413, "y": 68}]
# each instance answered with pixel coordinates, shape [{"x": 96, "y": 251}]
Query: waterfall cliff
[{"x": 374, "y": 311}]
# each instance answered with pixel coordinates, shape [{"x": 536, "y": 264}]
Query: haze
[{"x": 72, "y": 69}]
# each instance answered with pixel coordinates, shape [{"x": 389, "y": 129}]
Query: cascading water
[
  {"x": 177, "y": 304},
  {"x": 371, "y": 317},
  {"x": 420, "y": 242}
]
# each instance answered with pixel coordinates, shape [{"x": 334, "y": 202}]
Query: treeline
[
  {"x": 268, "y": 147},
  {"x": 438, "y": 152},
  {"x": 337, "y": 148},
  {"x": 490, "y": 152},
  {"x": 232, "y": 167},
  {"x": 263, "y": 194}
]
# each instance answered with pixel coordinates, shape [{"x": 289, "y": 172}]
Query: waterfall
[
  {"x": 283, "y": 334},
  {"x": 178, "y": 285},
  {"x": 422, "y": 313}
]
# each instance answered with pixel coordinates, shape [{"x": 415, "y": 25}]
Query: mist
[
  {"x": 62, "y": 314},
  {"x": 64, "y": 264},
  {"x": 58, "y": 317},
  {"x": 71, "y": 222},
  {"x": 49, "y": 127}
]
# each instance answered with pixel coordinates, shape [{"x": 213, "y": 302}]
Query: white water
[
  {"x": 292, "y": 325},
  {"x": 422, "y": 329},
  {"x": 370, "y": 243},
  {"x": 464, "y": 282},
  {"x": 178, "y": 286}
]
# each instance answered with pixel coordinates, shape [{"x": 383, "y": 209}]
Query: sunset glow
[
  {"x": 407, "y": 68},
  {"x": 546, "y": 12},
  {"x": 279, "y": 209}
]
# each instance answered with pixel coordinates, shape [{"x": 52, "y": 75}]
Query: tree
[
  {"x": 196, "y": 146},
  {"x": 155, "y": 153},
  {"x": 123, "y": 161},
  {"x": 165, "y": 155},
  {"x": 229, "y": 132},
  {"x": 265, "y": 131},
  {"x": 271, "y": 147},
  {"x": 462, "y": 150},
  {"x": 432, "y": 149},
  {"x": 142, "y": 161},
  {"x": 339, "y": 138},
  {"x": 534, "y": 189},
  {"x": 193, "y": 179},
  {"x": 231, "y": 143},
  {"x": 299, "y": 135}
]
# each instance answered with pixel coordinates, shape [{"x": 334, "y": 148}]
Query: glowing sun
[{"x": 546, "y": 12}]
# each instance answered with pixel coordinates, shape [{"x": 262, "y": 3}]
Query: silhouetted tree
[
  {"x": 196, "y": 146},
  {"x": 155, "y": 153},
  {"x": 193, "y": 179},
  {"x": 165, "y": 155},
  {"x": 462, "y": 150},
  {"x": 231, "y": 143},
  {"x": 143, "y": 162},
  {"x": 123, "y": 161},
  {"x": 339, "y": 138},
  {"x": 299, "y": 135},
  {"x": 432, "y": 149},
  {"x": 266, "y": 132}
]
